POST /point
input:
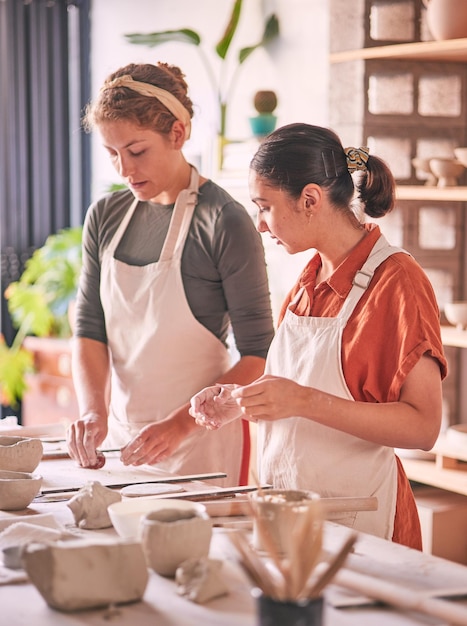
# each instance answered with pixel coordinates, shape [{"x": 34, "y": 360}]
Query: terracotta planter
[{"x": 447, "y": 19}]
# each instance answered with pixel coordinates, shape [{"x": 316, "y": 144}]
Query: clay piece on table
[
  {"x": 20, "y": 454},
  {"x": 89, "y": 505},
  {"x": 200, "y": 580},
  {"x": 150, "y": 489},
  {"x": 76, "y": 575},
  {"x": 18, "y": 489}
]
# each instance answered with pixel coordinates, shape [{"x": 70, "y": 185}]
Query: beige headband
[
  {"x": 356, "y": 158},
  {"x": 147, "y": 89}
]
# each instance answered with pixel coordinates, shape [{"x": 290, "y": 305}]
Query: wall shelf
[
  {"x": 453, "y": 50},
  {"x": 425, "y": 192},
  {"x": 452, "y": 336},
  {"x": 428, "y": 473}
]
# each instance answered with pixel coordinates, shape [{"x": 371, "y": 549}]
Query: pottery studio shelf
[
  {"x": 453, "y": 50},
  {"x": 448, "y": 471},
  {"x": 436, "y": 194}
]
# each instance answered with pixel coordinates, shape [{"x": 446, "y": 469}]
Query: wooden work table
[{"x": 21, "y": 604}]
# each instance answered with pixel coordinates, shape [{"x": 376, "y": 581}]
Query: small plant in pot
[
  {"x": 38, "y": 304},
  {"x": 265, "y": 103}
]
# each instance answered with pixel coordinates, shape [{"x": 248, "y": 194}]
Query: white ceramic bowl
[
  {"x": 461, "y": 155},
  {"x": 457, "y": 436},
  {"x": 126, "y": 515},
  {"x": 456, "y": 313},
  {"x": 446, "y": 170},
  {"x": 20, "y": 454},
  {"x": 18, "y": 489}
]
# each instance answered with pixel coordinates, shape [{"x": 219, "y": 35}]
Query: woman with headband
[
  {"x": 356, "y": 365},
  {"x": 169, "y": 265}
]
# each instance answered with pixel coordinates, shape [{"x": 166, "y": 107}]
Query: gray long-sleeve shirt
[{"x": 223, "y": 266}]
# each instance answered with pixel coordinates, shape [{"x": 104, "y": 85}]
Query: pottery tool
[
  {"x": 291, "y": 577},
  {"x": 401, "y": 597},
  {"x": 332, "y": 507},
  {"x": 156, "y": 479}
]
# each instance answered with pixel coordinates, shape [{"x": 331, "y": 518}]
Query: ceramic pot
[
  {"x": 446, "y": 19},
  {"x": 272, "y": 612},
  {"x": 172, "y": 535},
  {"x": 20, "y": 454},
  {"x": 263, "y": 124}
]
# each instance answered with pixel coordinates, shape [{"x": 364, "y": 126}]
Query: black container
[{"x": 275, "y": 613}]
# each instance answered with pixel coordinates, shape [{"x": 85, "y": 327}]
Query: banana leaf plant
[{"x": 222, "y": 86}]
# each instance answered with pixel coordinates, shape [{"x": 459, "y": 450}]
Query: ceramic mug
[
  {"x": 280, "y": 512},
  {"x": 173, "y": 534}
]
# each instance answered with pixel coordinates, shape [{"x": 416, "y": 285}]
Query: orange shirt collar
[{"x": 341, "y": 280}]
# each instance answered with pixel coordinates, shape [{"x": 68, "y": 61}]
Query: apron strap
[
  {"x": 362, "y": 279},
  {"x": 181, "y": 218},
  {"x": 122, "y": 227},
  {"x": 179, "y": 222}
]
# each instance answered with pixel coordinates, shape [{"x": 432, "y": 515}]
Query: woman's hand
[
  {"x": 269, "y": 398},
  {"x": 214, "y": 406},
  {"x": 154, "y": 443},
  {"x": 83, "y": 437}
]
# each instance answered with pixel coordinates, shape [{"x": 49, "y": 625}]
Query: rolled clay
[
  {"x": 89, "y": 505},
  {"x": 75, "y": 575},
  {"x": 200, "y": 579}
]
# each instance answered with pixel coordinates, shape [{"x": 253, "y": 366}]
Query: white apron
[
  {"x": 161, "y": 355},
  {"x": 297, "y": 453}
]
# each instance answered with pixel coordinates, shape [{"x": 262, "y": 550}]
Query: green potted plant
[
  {"x": 221, "y": 89},
  {"x": 38, "y": 304}
]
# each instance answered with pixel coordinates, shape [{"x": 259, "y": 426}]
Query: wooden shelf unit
[
  {"x": 454, "y": 50},
  {"x": 437, "y": 194},
  {"x": 452, "y": 336},
  {"x": 427, "y": 472}
]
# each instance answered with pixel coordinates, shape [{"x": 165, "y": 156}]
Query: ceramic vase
[{"x": 446, "y": 19}]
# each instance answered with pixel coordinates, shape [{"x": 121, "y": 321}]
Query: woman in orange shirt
[{"x": 356, "y": 366}]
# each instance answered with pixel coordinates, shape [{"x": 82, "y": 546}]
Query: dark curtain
[{"x": 44, "y": 85}]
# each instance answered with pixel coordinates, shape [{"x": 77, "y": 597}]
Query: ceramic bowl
[
  {"x": 126, "y": 515},
  {"x": 446, "y": 170},
  {"x": 456, "y": 314},
  {"x": 424, "y": 166},
  {"x": 457, "y": 436},
  {"x": 20, "y": 454},
  {"x": 18, "y": 489},
  {"x": 461, "y": 155},
  {"x": 173, "y": 534}
]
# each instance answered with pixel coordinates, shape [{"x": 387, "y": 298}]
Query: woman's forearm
[{"x": 91, "y": 376}]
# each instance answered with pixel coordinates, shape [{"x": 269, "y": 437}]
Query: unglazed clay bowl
[
  {"x": 456, "y": 314},
  {"x": 424, "y": 166},
  {"x": 461, "y": 155},
  {"x": 127, "y": 514},
  {"x": 20, "y": 454},
  {"x": 446, "y": 170},
  {"x": 173, "y": 534},
  {"x": 457, "y": 436},
  {"x": 18, "y": 489}
]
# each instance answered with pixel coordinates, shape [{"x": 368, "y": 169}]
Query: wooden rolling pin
[
  {"x": 240, "y": 505},
  {"x": 401, "y": 597}
]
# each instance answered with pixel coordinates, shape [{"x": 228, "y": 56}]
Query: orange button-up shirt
[{"x": 395, "y": 322}]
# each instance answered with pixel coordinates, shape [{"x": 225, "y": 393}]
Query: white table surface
[{"x": 22, "y": 605}]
